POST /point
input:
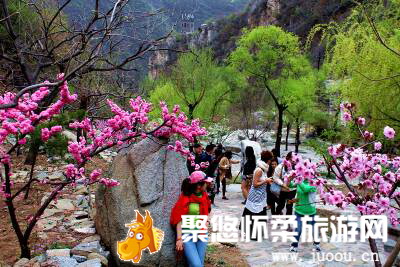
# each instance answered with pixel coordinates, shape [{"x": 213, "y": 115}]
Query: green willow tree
[
  {"x": 363, "y": 56},
  {"x": 271, "y": 58},
  {"x": 202, "y": 88},
  {"x": 302, "y": 104}
]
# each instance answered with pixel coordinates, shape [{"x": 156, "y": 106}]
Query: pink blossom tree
[
  {"x": 18, "y": 119},
  {"x": 372, "y": 178}
]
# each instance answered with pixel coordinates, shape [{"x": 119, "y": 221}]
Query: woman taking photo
[
  {"x": 257, "y": 198},
  {"x": 192, "y": 201},
  {"x": 248, "y": 170},
  {"x": 225, "y": 170}
]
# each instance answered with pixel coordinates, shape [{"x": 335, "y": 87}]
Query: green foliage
[
  {"x": 57, "y": 144},
  {"x": 22, "y": 18},
  {"x": 366, "y": 71},
  {"x": 59, "y": 246},
  {"x": 27, "y": 23},
  {"x": 202, "y": 88},
  {"x": 271, "y": 59},
  {"x": 302, "y": 100}
]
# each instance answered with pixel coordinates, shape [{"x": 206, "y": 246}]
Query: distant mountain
[
  {"x": 296, "y": 16},
  {"x": 168, "y": 18},
  {"x": 172, "y": 10}
]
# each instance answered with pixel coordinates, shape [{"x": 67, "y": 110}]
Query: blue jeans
[
  {"x": 195, "y": 252},
  {"x": 300, "y": 226}
]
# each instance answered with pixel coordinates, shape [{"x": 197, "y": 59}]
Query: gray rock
[
  {"x": 49, "y": 212},
  {"x": 150, "y": 178},
  {"x": 65, "y": 204},
  {"x": 21, "y": 262},
  {"x": 85, "y": 230},
  {"x": 79, "y": 259},
  {"x": 103, "y": 259},
  {"x": 56, "y": 175},
  {"x": 40, "y": 258},
  {"x": 58, "y": 252},
  {"x": 389, "y": 245},
  {"x": 90, "y": 263},
  {"x": 41, "y": 175},
  {"x": 82, "y": 202},
  {"x": 64, "y": 261},
  {"x": 46, "y": 224},
  {"x": 84, "y": 249},
  {"x": 91, "y": 239}
]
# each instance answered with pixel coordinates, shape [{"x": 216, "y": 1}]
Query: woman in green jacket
[{"x": 305, "y": 206}]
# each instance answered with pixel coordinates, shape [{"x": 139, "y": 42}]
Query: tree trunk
[
  {"x": 191, "y": 111},
  {"x": 297, "y": 136},
  {"x": 279, "y": 131},
  {"x": 32, "y": 153},
  {"x": 287, "y": 136},
  {"x": 374, "y": 249},
  {"x": 393, "y": 255},
  {"x": 25, "y": 250},
  {"x": 30, "y": 179},
  {"x": 23, "y": 242}
]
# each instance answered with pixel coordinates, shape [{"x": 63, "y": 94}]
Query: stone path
[{"x": 260, "y": 253}]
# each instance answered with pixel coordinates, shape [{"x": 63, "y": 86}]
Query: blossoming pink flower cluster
[
  {"x": 46, "y": 133},
  {"x": 126, "y": 126},
  {"x": 175, "y": 123},
  {"x": 373, "y": 176},
  {"x": 356, "y": 163},
  {"x": 22, "y": 120},
  {"x": 377, "y": 175}
]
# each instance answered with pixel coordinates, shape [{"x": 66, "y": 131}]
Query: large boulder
[
  {"x": 150, "y": 177},
  {"x": 255, "y": 145}
]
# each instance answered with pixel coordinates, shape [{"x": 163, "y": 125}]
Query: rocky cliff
[{"x": 297, "y": 16}]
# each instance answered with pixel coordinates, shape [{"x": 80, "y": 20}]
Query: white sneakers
[{"x": 317, "y": 248}]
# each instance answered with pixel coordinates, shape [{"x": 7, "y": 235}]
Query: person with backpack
[{"x": 304, "y": 206}]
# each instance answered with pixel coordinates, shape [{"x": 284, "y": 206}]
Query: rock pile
[{"x": 90, "y": 254}]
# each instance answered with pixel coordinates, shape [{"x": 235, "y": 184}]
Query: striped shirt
[{"x": 257, "y": 198}]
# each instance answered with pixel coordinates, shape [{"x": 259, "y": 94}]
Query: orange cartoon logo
[{"x": 141, "y": 235}]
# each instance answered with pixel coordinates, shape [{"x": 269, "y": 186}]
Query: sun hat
[{"x": 199, "y": 176}]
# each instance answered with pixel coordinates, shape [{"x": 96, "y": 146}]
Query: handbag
[{"x": 276, "y": 188}]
